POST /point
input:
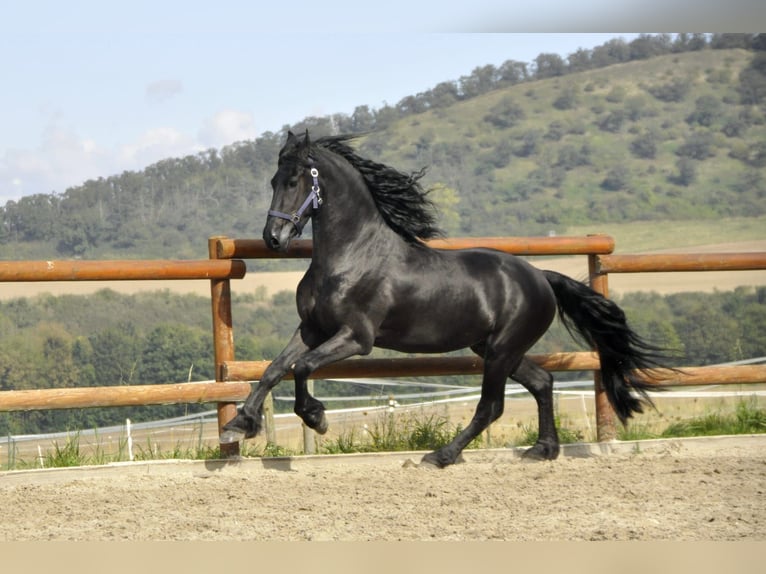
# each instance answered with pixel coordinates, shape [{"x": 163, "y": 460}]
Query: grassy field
[
  {"x": 733, "y": 234},
  {"x": 644, "y": 236}
]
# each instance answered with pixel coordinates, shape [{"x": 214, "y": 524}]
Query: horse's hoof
[
  {"x": 315, "y": 420},
  {"x": 541, "y": 451},
  {"x": 322, "y": 425},
  {"x": 431, "y": 460},
  {"x": 231, "y": 436},
  {"x": 241, "y": 426}
]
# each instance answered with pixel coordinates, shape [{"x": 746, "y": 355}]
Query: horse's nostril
[{"x": 274, "y": 242}]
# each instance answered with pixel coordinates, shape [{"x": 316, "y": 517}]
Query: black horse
[{"x": 372, "y": 282}]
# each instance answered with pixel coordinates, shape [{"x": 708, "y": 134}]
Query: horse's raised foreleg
[
  {"x": 489, "y": 409},
  {"x": 344, "y": 344},
  {"x": 539, "y": 382},
  {"x": 309, "y": 408},
  {"x": 247, "y": 423}
]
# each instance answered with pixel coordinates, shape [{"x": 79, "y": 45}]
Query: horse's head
[{"x": 296, "y": 193}]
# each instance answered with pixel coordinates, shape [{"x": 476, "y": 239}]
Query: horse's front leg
[
  {"x": 309, "y": 408},
  {"x": 247, "y": 423},
  {"x": 342, "y": 345}
]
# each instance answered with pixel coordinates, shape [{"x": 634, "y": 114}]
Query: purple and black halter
[{"x": 314, "y": 199}]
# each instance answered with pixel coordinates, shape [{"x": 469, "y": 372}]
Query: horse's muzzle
[{"x": 278, "y": 233}]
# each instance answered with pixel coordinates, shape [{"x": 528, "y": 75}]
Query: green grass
[
  {"x": 530, "y": 434},
  {"x": 392, "y": 432},
  {"x": 640, "y": 236},
  {"x": 747, "y": 419}
]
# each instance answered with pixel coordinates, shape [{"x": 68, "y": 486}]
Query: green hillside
[
  {"x": 651, "y": 131},
  {"x": 596, "y": 146}
]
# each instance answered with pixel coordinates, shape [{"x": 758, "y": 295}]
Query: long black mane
[{"x": 400, "y": 198}]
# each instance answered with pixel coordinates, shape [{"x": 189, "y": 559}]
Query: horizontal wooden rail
[
  {"x": 714, "y": 375},
  {"x": 432, "y": 366},
  {"x": 122, "y": 396},
  {"x": 203, "y": 392},
  {"x": 680, "y": 262},
  {"x": 301, "y": 248},
  {"x": 119, "y": 270},
  {"x": 408, "y": 367}
]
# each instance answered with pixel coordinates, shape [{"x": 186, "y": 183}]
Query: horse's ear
[
  {"x": 290, "y": 136},
  {"x": 307, "y": 141}
]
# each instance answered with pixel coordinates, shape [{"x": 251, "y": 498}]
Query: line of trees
[
  {"x": 156, "y": 338},
  {"x": 486, "y": 78}
]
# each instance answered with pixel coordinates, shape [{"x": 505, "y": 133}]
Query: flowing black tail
[{"x": 590, "y": 316}]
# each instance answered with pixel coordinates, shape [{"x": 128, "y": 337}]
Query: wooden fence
[{"x": 232, "y": 376}]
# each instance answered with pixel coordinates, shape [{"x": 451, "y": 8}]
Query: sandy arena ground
[{"x": 692, "y": 489}]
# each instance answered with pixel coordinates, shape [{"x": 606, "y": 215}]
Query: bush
[
  {"x": 616, "y": 178},
  {"x": 707, "y": 110},
  {"x": 612, "y": 122},
  {"x": 687, "y": 172},
  {"x": 530, "y": 143},
  {"x": 505, "y": 114},
  {"x": 567, "y": 100},
  {"x": 698, "y": 146},
  {"x": 674, "y": 91},
  {"x": 645, "y": 145}
]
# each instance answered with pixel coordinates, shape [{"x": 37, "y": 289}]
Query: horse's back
[{"x": 458, "y": 298}]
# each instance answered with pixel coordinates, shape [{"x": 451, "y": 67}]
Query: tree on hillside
[
  {"x": 615, "y": 51},
  {"x": 444, "y": 94},
  {"x": 512, "y": 72},
  {"x": 549, "y": 66},
  {"x": 480, "y": 81}
]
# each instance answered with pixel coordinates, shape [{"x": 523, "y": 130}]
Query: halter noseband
[{"x": 314, "y": 198}]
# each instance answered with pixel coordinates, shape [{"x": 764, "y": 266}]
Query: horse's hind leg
[
  {"x": 489, "y": 409},
  {"x": 539, "y": 382}
]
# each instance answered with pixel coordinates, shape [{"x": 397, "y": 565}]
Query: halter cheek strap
[{"x": 314, "y": 199}]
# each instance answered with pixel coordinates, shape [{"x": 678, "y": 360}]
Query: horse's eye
[{"x": 292, "y": 182}]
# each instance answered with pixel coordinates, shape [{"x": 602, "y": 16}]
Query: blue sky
[{"x": 91, "y": 89}]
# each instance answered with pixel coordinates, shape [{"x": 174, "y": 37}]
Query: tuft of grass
[
  {"x": 747, "y": 419},
  {"x": 635, "y": 431},
  {"x": 393, "y": 432},
  {"x": 345, "y": 443},
  {"x": 65, "y": 455},
  {"x": 530, "y": 434}
]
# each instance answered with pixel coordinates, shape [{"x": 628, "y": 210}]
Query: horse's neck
[{"x": 348, "y": 229}]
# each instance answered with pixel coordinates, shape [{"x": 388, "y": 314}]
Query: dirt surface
[{"x": 693, "y": 489}]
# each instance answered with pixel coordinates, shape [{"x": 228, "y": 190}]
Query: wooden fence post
[
  {"x": 309, "y": 437},
  {"x": 223, "y": 344},
  {"x": 605, "y": 415},
  {"x": 269, "y": 426}
]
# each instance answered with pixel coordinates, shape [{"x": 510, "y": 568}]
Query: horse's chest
[{"x": 333, "y": 301}]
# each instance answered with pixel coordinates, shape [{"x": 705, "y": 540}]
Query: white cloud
[
  {"x": 61, "y": 160},
  {"x": 227, "y": 127},
  {"x": 163, "y": 90},
  {"x": 154, "y": 145},
  {"x": 64, "y": 158}
]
